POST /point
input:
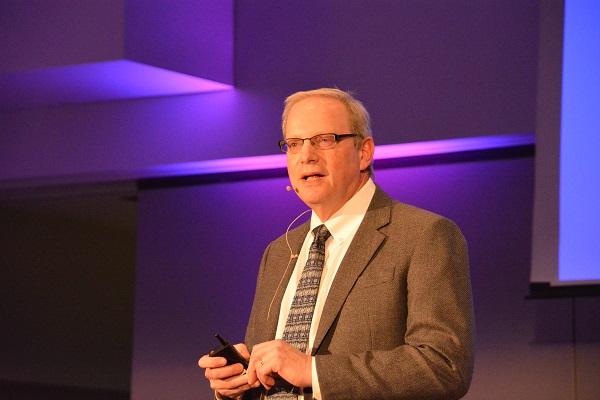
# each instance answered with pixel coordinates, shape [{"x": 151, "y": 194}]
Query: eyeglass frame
[{"x": 336, "y": 138}]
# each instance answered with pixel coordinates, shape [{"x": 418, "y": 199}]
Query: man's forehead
[
  {"x": 318, "y": 107},
  {"x": 318, "y": 102},
  {"x": 317, "y": 114}
]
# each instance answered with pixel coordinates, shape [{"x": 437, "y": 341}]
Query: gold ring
[{"x": 261, "y": 362}]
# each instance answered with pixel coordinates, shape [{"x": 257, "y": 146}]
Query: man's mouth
[{"x": 311, "y": 176}]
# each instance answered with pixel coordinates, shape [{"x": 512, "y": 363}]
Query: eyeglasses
[{"x": 324, "y": 141}]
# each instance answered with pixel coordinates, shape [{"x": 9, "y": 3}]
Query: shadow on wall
[{"x": 567, "y": 320}]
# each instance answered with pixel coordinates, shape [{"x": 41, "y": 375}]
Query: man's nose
[{"x": 308, "y": 151}]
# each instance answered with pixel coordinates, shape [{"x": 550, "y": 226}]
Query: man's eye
[{"x": 293, "y": 143}]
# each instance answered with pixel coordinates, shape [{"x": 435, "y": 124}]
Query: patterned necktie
[{"x": 297, "y": 326}]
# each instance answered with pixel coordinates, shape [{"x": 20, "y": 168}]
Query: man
[{"x": 393, "y": 312}]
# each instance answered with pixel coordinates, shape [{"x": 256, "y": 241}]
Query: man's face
[{"x": 325, "y": 179}]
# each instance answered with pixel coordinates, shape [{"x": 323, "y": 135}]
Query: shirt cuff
[{"x": 316, "y": 389}]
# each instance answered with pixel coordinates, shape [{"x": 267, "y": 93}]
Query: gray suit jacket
[{"x": 397, "y": 323}]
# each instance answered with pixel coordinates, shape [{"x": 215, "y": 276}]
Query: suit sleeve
[
  {"x": 433, "y": 358},
  {"x": 253, "y": 322},
  {"x": 251, "y": 334}
]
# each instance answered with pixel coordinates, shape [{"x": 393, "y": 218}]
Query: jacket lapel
[{"x": 364, "y": 245}]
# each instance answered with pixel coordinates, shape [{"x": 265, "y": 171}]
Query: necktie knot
[{"x": 321, "y": 234}]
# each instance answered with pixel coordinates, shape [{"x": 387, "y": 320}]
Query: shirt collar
[{"x": 346, "y": 220}]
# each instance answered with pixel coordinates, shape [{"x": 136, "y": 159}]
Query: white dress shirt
[{"x": 342, "y": 226}]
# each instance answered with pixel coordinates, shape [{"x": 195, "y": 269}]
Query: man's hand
[
  {"x": 276, "y": 358},
  {"x": 229, "y": 381}
]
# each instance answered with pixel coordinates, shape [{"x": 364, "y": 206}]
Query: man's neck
[{"x": 325, "y": 215}]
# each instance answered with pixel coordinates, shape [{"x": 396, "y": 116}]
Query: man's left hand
[{"x": 276, "y": 358}]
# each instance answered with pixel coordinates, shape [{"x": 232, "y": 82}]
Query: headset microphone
[{"x": 289, "y": 188}]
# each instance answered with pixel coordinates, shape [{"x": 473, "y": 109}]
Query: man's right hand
[{"x": 229, "y": 381}]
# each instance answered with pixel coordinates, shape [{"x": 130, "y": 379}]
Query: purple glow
[
  {"x": 579, "y": 212},
  {"x": 392, "y": 151},
  {"x": 103, "y": 81},
  {"x": 437, "y": 147}
]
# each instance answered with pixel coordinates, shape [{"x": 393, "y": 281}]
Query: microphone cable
[{"x": 292, "y": 256}]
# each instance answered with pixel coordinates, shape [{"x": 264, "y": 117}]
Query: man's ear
[{"x": 367, "y": 151}]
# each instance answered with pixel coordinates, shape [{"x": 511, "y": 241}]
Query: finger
[
  {"x": 223, "y": 373},
  {"x": 232, "y": 386},
  {"x": 255, "y": 362},
  {"x": 243, "y": 350},
  {"x": 262, "y": 369},
  {"x": 251, "y": 371},
  {"x": 235, "y": 392},
  {"x": 235, "y": 382},
  {"x": 265, "y": 375},
  {"x": 266, "y": 380},
  {"x": 211, "y": 362}
]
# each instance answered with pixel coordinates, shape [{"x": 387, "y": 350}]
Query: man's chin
[{"x": 311, "y": 197}]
